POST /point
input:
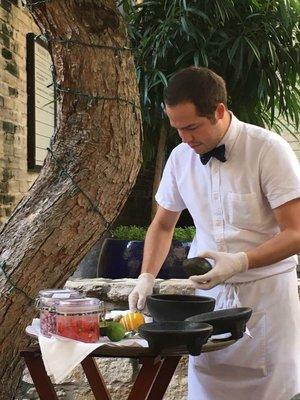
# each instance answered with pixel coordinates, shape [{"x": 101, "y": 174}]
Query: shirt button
[{"x": 216, "y": 196}]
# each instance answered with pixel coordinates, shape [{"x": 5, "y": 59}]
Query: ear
[{"x": 220, "y": 111}]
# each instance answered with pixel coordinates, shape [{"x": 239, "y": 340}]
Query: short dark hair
[{"x": 198, "y": 85}]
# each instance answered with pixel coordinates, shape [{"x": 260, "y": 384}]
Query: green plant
[
  {"x": 130, "y": 232},
  {"x": 133, "y": 232},
  {"x": 252, "y": 44},
  {"x": 185, "y": 234}
]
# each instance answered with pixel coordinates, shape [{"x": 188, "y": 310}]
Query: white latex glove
[
  {"x": 226, "y": 265},
  {"x": 143, "y": 288}
]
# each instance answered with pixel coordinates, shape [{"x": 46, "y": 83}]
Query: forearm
[
  {"x": 157, "y": 245},
  {"x": 281, "y": 246}
]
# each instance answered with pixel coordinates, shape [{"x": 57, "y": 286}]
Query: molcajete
[
  {"x": 161, "y": 335},
  {"x": 176, "y": 307}
]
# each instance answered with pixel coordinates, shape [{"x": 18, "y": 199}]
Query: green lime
[{"x": 115, "y": 331}]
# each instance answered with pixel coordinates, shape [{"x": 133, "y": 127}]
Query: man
[{"x": 241, "y": 185}]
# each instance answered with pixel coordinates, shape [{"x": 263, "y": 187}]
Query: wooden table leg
[
  {"x": 41, "y": 380},
  {"x": 163, "y": 378},
  {"x": 144, "y": 380},
  {"x": 95, "y": 379}
]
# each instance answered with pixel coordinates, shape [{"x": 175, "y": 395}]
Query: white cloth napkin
[{"x": 61, "y": 355}]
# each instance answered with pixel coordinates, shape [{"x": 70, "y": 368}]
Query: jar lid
[
  {"x": 50, "y": 297},
  {"x": 83, "y": 305}
]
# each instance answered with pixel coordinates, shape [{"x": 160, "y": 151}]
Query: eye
[{"x": 192, "y": 128}]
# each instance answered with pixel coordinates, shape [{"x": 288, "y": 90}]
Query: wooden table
[{"x": 151, "y": 382}]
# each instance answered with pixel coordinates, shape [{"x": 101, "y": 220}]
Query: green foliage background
[{"x": 252, "y": 44}]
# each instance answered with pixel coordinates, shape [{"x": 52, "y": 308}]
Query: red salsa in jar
[
  {"x": 78, "y": 319},
  {"x": 46, "y": 302}
]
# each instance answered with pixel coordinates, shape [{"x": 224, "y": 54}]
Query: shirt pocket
[
  {"x": 248, "y": 355},
  {"x": 242, "y": 210}
]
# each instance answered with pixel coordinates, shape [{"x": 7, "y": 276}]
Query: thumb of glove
[
  {"x": 208, "y": 254},
  {"x": 141, "y": 303},
  {"x": 133, "y": 300}
]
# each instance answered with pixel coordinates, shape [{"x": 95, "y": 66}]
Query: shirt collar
[{"x": 231, "y": 135}]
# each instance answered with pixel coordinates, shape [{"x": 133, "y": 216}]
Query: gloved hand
[
  {"x": 143, "y": 288},
  {"x": 226, "y": 265}
]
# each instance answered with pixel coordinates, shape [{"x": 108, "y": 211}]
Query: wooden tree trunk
[
  {"x": 97, "y": 143},
  {"x": 159, "y": 165}
]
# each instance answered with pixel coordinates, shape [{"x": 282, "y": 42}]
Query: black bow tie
[{"x": 218, "y": 152}]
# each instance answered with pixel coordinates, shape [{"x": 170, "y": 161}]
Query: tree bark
[
  {"x": 97, "y": 142},
  {"x": 159, "y": 165}
]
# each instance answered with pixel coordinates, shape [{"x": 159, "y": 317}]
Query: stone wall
[
  {"x": 119, "y": 374},
  {"x": 15, "y": 178}
]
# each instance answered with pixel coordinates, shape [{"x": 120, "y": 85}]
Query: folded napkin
[{"x": 61, "y": 355}]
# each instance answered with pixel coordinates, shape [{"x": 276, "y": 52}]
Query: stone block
[
  {"x": 9, "y": 127},
  {"x": 4, "y": 15},
  {"x": 77, "y": 377},
  {"x": 12, "y": 68},
  {"x": 6, "y": 5},
  {"x": 6, "y": 199},
  {"x": 121, "y": 289},
  {"x": 177, "y": 388},
  {"x": 7, "y": 174},
  {"x": 14, "y": 187},
  {"x": 1, "y": 101},
  {"x": 98, "y": 287},
  {"x": 6, "y": 54},
  {"x": 4, "y": 39},
  {"x": 6, "y": 29},
  {"x": 176, "y": 286},
  {"x": 116, "y": 370}
]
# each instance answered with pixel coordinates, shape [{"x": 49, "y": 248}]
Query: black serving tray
[
  {"x": 231, "y": 320},
  {"x": 161, "y": 335}
]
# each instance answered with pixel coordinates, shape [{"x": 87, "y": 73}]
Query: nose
[{"x": 185, "y": 137}]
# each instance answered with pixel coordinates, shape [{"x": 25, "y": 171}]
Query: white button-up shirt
[{"x": 231, "y": 203}]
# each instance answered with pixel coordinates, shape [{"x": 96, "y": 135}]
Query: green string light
[
  {"x": 29, "y": 5},
  {"x": 68, "y": 43},
  {"x": 94, "y": 97},
  {"x": 12, "y": 284}
]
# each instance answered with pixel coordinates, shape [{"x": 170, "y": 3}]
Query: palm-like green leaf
[{"x": 252, "y": 44}]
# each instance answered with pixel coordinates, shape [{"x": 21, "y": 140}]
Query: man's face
[{"x": 200, "y": 133}]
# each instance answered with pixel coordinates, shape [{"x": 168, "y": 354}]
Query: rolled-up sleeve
[{"x": 280, "y": 173}]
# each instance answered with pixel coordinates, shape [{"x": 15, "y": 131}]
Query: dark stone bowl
[
  {"x": 177, "y": 307},
  {"x": 232, "y": 320},
  {"x": 161, "y": 335}
]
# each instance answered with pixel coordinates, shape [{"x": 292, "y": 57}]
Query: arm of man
[
  {"x": 157, "y": 245},
  {"x": 158, "y": 240},
  {"x": 281, "y": 246}
]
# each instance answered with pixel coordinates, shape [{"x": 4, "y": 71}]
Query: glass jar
[
  {"x": 46, "y": 302},
  {"x": 79, "y": 319}
]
